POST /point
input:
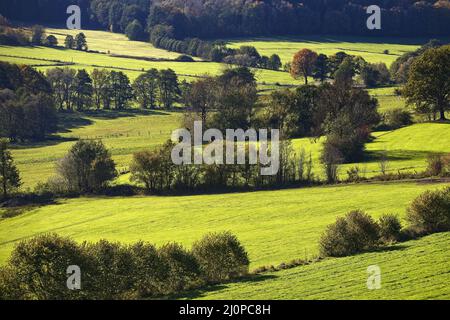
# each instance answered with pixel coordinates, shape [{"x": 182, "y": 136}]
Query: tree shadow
[
  {"x": 394, "y": 155},
  {"x": 202, "y": 292}
]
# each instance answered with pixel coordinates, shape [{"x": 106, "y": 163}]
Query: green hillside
[
  {"x": 412, "y": 270},
  {"x": 371, "y": 49},
  {"x": 274, "y": 226}
]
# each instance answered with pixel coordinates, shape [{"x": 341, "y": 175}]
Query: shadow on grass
[
  {"x": 202, "y": 292},
  {"x": 394, "y": 155},
  {"x": 68, "y": 121}
]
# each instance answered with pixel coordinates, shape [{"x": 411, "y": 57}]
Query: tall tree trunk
[{"x": 442, "y": 113}]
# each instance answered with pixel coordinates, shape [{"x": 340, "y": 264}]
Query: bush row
[
  {"x": 110, "y": 270},
  {"x": 358, "y": 232}
]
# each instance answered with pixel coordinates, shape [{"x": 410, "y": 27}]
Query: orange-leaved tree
[{"x": 303, "y": 64}]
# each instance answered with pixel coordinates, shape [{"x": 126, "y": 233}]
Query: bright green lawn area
[
  {"x": 133, "y": 67},
  {"x": 371, "y": 49},
  {"x": 274, "y": 226},
  {"x": 122, "y": 132},
  {"x": 418, "y": 269},
  {"x": 114, "y": 43},
  {"x": 407, "y": 149}
]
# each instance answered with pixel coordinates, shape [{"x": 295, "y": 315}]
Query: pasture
[
  {"x": 274, "y": 226},
  {"x": 131, "y": 66},
  {"x": 370, "y": 48},
  {"x": 412, "y": 270}
]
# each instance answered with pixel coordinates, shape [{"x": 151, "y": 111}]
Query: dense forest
[{"x": 227, "y": 18}]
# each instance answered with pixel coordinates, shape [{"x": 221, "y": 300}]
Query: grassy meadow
[
  {"x": 132, "y": 67},
  {"x": 371, "y": 49},
  {"x": 122, "y": 132},
  {"x": 125, "y": 133},
  {"x": 411, "y": 270},
  {"x": 274, "y": 226}
]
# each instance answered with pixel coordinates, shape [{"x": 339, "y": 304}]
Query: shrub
[
  {"x": 221, "y": 257},
  {"x": 87, "y": 167},
  {"x": 354, "y": 233},
  {"x": 185, "y": 58},
  {"x": 149, "y": 270},
  {"x": 182, "y": 268},
  {"x": 397, "y": 118},
  {"x": 113, "y": 269},
  {"x": 390, "y": 228},
  {"x": 10, "y": 287},
  {"x": 435, "y": 164},
  {"x": 40, "y": 266},
  {"x": 430, "y": 212}
]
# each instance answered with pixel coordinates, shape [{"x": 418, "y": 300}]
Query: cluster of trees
[
  {"x": 37, "y": 269},
  {"x": 27, "y": 110},
  {"x": 77, "y": 43},
  {"x": 162, "y": 36},
  {"x": 428, "y": 84},
  {"x": 229, "y": 18},
  {"x": 16, "y": 37},
  {"x": 341, "y": 66},
  {"x": 79, "y": 90},
  {"x": 358, "y": 232},
  {"x": 400, "y": 67},
  {"x": 156, "y": 172}
]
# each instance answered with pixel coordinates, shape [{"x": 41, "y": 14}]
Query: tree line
[{"x": 229, "y": 18}]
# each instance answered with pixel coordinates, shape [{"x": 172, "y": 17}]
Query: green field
[
  {"x": 274, "y": 226},
  {"x": 371, "y": 49},
  {"x": 122, "y": 132},
  {"x": 417, "y": 269},
  {"x": 127, "y": 132},
  {"x": 114, "y": 43},
  {"x": 133, "y": 67}
]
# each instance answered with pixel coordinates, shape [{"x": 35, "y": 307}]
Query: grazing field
[
  {"x": 406, "y": 149},
  {"x": 133, "y": 67},
  {"x": 122, "y": 132},
  {"x": 114, "y": 43},
  {"x": 412, "y": 270},
  {"x": 129, "y": 131},
  {"x": 371, "y": 49},
  {"x": 274, "y": 226}
]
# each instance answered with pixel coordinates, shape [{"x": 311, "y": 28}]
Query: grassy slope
[
  {"x": 417, "y": 269},
  {"x": 133, "y": 67},
  {"x": 407, "y": 148},
  {"x": 127, "y": 132},
  {"x": 274, "y": 226},
  {"x": 123, "y": 132},
  {"x": 371, "y": 49},
  {"x": 114, "y": 43}
]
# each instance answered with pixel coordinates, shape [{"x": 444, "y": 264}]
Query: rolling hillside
[
  {"x": 274, "y": 226},
  {"x": 418, "y": 269}
]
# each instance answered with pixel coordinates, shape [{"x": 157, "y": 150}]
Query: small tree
[
  {"x": 9, "y": 174},
  {"x": 51, "y": 41},
  {"x": 428, "y": 86},
  {"x": 134, "y": 30},
  {"x": 221, "y": 256},
  {"x": 321, "y": 68},
  {"x": 80, "y": 42},
  {"x": 275, "y": 62},
  {"x": 37, "y": 34},
  {"x": 354, "y": 233},
  {"x": 303, "y": 64},
  {"x": 69, "y": 42},
  {"x": 430, "y": 212},
  {"x": 87, "y": 167}
]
